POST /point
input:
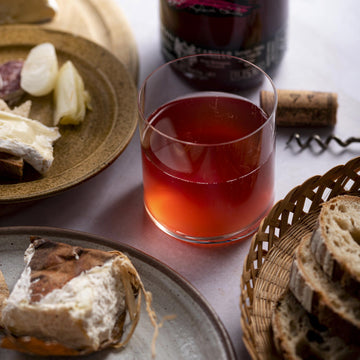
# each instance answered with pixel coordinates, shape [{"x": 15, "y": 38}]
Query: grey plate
[{"x": 196, "y": 332}]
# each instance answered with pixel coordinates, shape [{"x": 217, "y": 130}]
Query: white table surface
[{"x": 323, "y": 54}]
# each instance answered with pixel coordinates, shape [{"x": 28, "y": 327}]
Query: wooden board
[{"x": 101, "y": 21}]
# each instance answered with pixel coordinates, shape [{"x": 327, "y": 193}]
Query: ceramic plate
[
  {"x": 84, "y": 150},
  {"x": 195, "y": 333}
]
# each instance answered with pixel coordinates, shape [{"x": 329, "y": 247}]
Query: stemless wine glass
[{"x": 208, "y": 148}]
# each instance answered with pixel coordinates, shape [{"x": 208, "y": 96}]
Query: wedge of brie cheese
[
  {"x": 28, "y": 139},
  {"x": 27, "y": 11}
]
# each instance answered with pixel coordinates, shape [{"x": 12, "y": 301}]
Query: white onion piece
[
  {"x": 70, "y": 97},
  {"x": 40, "y": 70}
]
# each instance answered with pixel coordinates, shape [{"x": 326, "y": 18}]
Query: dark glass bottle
[{"x": 254, "y": 30}]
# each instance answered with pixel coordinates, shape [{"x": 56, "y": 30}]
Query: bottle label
[
  {"x": 213, "y": 7},
  {"x": 265, "y": 54}
]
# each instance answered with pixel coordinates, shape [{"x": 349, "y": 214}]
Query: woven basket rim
[{"x": 301, "y": 201}]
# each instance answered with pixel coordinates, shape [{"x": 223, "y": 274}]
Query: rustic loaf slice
[
  {"x": 298, "y": 335},
  {"x": 4, "y": 293},
  {"x": 336, "y": 243},
  {"x": 324, "y": 298},
  {"x": 11, "y": 167}
]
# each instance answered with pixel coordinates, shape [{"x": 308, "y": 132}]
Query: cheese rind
[{"x": 29, "y": 139}]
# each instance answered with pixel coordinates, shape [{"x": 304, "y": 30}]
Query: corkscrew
[{"x": 323, "y": 143}]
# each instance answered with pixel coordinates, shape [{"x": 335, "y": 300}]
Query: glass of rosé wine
[{"x": 208, "y": 148}]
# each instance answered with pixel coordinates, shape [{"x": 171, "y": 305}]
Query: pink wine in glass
[{"x": 208, "y": 165}]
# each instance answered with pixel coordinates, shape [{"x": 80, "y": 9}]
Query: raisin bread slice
[
  {"x": 324, "y": 298},
  {"x": 298, "y": 334},
  {"x": 336, "y": 243}
]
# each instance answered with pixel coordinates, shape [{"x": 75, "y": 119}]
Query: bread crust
[
  {"x": 336, "y": 243},
  {"x": 321, "y": 296},
  {"x": 4, "y": 293},
  {"x": 298, "y": 335}
]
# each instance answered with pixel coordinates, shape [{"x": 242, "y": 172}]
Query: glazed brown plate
[{"x": 85, "y": 150}]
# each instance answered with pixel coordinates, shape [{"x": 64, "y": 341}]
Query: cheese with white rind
[
  {"x": 40, "y": 70},
  {"x": 27, "y": 11},
  {"x": 28, "y": 139}
]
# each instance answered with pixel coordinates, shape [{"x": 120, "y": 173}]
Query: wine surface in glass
[{"x": 208, "y": 166}]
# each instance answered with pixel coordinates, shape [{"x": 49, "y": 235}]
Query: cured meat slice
[{"x": 10, "y": 73}]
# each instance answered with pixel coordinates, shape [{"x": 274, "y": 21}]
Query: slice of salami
[{"x": 10, "y": 73}]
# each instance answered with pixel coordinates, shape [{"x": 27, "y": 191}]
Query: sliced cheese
[
  {"x": 29, "y": 139},
  {"x": 27, "y": 11}
]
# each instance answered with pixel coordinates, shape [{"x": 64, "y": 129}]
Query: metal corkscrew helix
[{"x": 323, "y": 143}]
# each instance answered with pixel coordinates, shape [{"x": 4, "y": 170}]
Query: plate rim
[
  {"x": 142, "y": 256},
  {"x": 110, "y": 157}
]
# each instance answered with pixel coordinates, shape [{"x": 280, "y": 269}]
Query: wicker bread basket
[{"x": 267, "y": 265}]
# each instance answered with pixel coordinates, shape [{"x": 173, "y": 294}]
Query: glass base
[{"x": 227, "y": 239}]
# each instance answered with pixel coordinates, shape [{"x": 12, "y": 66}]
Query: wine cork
[{"x": 301, "y": 107}]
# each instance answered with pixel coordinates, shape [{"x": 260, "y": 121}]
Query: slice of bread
[
  {"x": 70, "y": 300},
  {"x": 4, "y": 294},
  {"x": 336, "y": 244},
  {"x": 324, "y": 298},
  {"x": 11, "y": 166},
  {"x": 298, "y": 334}
]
